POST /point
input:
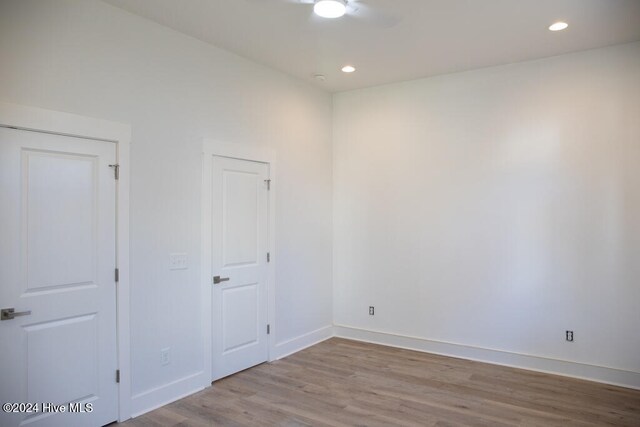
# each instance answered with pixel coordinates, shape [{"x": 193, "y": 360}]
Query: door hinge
[
  {"x": 117, "y": 274},
  {"x": 268, "y": 182},
  {"x": 268, "y": 256},
  {"x": 116, "y": 170},
  {"x": 117, "y": 375},
  {"x": 268, "y": 329}
]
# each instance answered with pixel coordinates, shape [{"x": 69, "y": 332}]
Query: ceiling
[{"x": 409, "y": 39}]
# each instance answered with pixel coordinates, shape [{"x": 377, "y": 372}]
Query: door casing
[
  {"x": 54, "y": 122},
  {"x": 212, "y": 148}
]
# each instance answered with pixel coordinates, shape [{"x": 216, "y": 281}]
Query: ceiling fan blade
[
  {"x": 282, "y": 1},
  {"x": 362, "y": 12},
  {"x": 358, "y": 10}
]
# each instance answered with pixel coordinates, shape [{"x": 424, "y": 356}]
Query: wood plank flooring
[{"x": 347, "y": 383}]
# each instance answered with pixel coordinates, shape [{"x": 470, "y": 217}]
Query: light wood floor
[{"x": 347, "y": 383}]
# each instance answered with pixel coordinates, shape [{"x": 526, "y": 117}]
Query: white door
[
  {"x": 57, "y": 260},
  {"x": 239, "y": 250}
]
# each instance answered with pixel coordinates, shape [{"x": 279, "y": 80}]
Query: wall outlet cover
[
  {"x": 164, "y": 356},
  {"x": 178, "y": 261}
]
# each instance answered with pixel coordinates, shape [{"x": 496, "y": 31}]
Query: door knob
[
  {"x": 10, "y": 313},
  {"x": 218, "y": 279}
]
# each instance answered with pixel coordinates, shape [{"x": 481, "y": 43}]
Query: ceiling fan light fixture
[
  {"x": 558, "y": 26},
  {"x": 330, "y": 8}
]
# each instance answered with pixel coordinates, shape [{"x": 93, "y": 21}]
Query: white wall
[
  {"x": 495, "y": 209},
  {"x": 89, "y": 58}
]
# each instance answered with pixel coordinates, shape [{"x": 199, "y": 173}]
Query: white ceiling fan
[{"x": 357, "y": 9}]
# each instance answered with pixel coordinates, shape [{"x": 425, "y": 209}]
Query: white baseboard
[
  {"x": 165, "y": 394},
  {"x": 296, "y": 344},
  {"x": 152, "y": 399},
  {"x": 533, "y": 363},
  {"x": 159, "y": 396}
]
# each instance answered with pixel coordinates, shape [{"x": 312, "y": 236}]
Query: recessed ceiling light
[
  {"x": 348, "y": 69},
  {"x": 558, "y": 26},
  {"x": 330, "y": 8}
]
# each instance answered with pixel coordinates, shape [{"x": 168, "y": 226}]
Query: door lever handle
[
  {"x": 218, "y": 279},
  {"x": 10, "y": 313}
]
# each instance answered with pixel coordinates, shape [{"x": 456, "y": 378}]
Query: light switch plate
[
  {"x": 165, "y": 356},
  {"x": 177, "y": 261}
]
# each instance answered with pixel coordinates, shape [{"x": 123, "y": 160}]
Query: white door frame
[
  {"x": 241, "y": 152},
  {"x": 55, "y": 122}
]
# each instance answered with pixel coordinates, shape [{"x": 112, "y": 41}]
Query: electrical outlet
[
  {"x": 177, "y": 261},
  {"x": 164, "y": 356},
  {"x": 372, "y": 310},
  {"x": 569, "y": 336}
]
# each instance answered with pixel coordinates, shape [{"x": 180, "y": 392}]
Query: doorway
[
  {"x": 58, "y": 293},
  {"x": 64, "y": 267},
  {"x": 237, "y": 257}
]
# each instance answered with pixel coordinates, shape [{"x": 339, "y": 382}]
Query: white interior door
[
  {"x": 239, "y": 250},
  {"x": 57, "y": 260}
]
